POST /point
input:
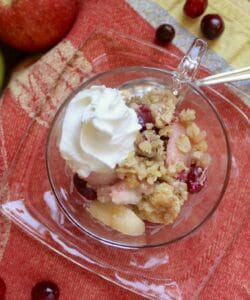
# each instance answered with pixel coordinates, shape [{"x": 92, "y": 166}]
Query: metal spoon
[{"x": 236, "y": 75}]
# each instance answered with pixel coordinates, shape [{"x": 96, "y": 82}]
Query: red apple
[{"x": 30, "y": 25}]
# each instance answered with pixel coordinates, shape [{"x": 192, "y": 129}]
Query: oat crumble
[{"x": 147, "y": 163}]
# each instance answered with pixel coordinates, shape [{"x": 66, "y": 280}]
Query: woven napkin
[{"x": 35, "y": 93}]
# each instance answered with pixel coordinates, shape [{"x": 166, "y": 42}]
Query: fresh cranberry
[
  {"x": 45, "y": 290},
  {"x": 82, "y": 188},
  {"x": 195, "y": 8},
  {"x": 212, "y": 26},
  {"x": 195, "y": 179},
  {"x": 144, "y": 115},
  {"x": 2, "y": 289},
  {"x": 165, "y": 33}
]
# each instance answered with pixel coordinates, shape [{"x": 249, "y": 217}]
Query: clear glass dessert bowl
[{"x": 199, "y": 206}]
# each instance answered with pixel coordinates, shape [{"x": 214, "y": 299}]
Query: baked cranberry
[
  {"x": 195, "y": 8},
  {"x": 165, "y": 33},
  {"x": 45, "y": 290},
  {"x": 212, "y": 26},
  {"x": 2, "y": 289},
  {"x": 182, "y": 176},
  {"x": 82, "y": 188},
  {"x": 195, "y": 179},
  {"x": 144, "y": 115}
]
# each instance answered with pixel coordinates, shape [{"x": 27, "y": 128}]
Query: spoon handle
[
  {"x": 236, "y": 75},
  {"x": 188, "y": 67}
]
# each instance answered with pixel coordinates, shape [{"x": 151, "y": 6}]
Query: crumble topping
[
  {"x": 183, "y": 143},
  {"x": 187, "y": 116},
  {"x": 162, "y": 105},
  {"x": 168, "y": 162},
  {"x": 164, "y": 189}
]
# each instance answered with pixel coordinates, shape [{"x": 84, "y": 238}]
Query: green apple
[{"x": 2, "y": 69}]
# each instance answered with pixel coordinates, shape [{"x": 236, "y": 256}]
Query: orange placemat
[{"x": 48, "y": 81}]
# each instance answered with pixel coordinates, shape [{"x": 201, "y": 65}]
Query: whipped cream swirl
[{"x": 98, "y": 131}]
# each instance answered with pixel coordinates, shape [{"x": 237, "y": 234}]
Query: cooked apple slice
[
  {"x": 174, "y": 154},
  {"x": 119, "y": 193},
  {"x": 97, "y": 179},
  {"x": 117, "y": 217}
]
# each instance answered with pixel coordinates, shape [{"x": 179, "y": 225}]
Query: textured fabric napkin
[{"x": 223, "y": 274}]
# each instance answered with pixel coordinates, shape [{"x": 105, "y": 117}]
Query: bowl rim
[{"x": 120, "y": 244}]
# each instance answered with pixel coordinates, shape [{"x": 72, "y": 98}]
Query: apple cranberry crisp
[{"x": 168, "y": 162}]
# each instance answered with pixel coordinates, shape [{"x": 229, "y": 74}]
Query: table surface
[
  {"x": 231, "y": 276},
  {"x": 243, "y": 4}
]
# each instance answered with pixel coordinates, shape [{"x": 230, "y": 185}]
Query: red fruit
[
  {"x": 195, "y": 8},
  {"x": 45, "y": 290},
  {"x": 144, "y": 115},
  {"x": 212, "y": 26},
  {"x": 195, "y": 179},
  {"x": 82, "y": 188},
  {"x": 165, "y": 33},
  {"x": 2, "y": 289},
  {"x": 30, "y": 25},
  {"x": 182, "y": 176}
]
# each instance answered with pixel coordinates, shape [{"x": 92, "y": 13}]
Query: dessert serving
[{"x": 133, "y": 159}]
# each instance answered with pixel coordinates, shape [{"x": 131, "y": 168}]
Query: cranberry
[
  {"x": 165, "y": 33},
  {"x": 45, "y": 290},
  {"x": 82, "y": 188},
  {"x": 2, "y": 289},
  {"x": 195, "y": 8},
  {"x": 144, "y": 115},
  {"x": 212, "y": 26},
  {"x": 182, "y": 176},
  {"x": 195, "y": 179}
]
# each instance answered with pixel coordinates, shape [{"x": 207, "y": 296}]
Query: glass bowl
[{"x": 195, "y": 211}]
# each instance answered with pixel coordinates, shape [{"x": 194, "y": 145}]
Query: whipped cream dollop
[{"x": 98, "y": 131}]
